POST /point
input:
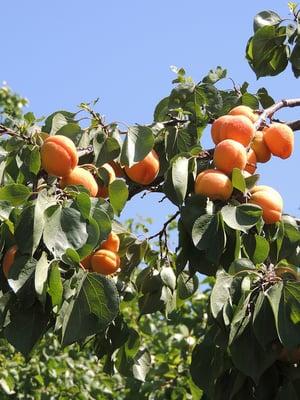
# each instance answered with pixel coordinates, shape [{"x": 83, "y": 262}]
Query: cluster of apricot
[
  {"x": 240, "y": 145},
  {"x": 59, "y": 158},
  {"x": 104, "y": 260}
]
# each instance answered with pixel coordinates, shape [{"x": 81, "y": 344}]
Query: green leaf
[
  {"x": 257, "y": 248},
  {"x": 41, "y": 275},
  {"x": 263, "y": 321},
  {"x": 71, "y": 130},
  {"x": 118, "y": 195},
  {"x": 26, "y": 327},
  {"x": 64, "y": 228},
  {"x": 21, "y": 271},
  {"x": 238, "y": 180},
  {"x": 208, "y": 234},
  {"x": 83, "y": 203},
  {"x": 161, "y": 110},
  {"x": 142, "y": 365},
  {"x": 220, "y": 294},
  {"x": 186, "y": 285},
  {"x": 168, "y": 277},
  {"x": 138, "y": 143},
  {"x": 241, "y": 264},
  {"x": 241, "y": 217},
  {"x": 94, "y": 307},
  {"x": 105, "y": 149},
  {"x": 214, "y": 76},
  {"x": 35, "y": 160},
  {"x": 14, "y": 193},
  {"x": 25, "y": 230},
  {"x": 55, "y": 287},
  {"x": 249, "y": 357},
  {"x": 285, "y": 302},
  {"x": 266, "y": 18},
  {"x": 57, "y": 120},
  {"x": 180, "y": 172}
]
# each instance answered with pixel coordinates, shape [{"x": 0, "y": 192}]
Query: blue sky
[{"x": 60, "y": 53}]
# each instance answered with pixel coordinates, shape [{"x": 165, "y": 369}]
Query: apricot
[
  {"x": 214, "y": 184},
  {"x": 145, "y": 171},
  {"x": 58, "y": 155},
  {"x": 260, "y": 148},
  {"x": 216, "y": 128},
  {"x": 280, "y": 139},
  {"x": 239, "y": 128},
  {"x": 80, "y": 176},
  {"x": 251, "y": 162},
  {"x": 230, "y": 154},
  {"x": 102, "y": 188},
  {"x": 112, "y": 243},
  {"x": 105, "y": 262},
  {"x": 246, "y": 111},
  {"x": 235, "y": 127},
  {"x": 9, "y": 259},
  {"x": 269, "y": 200}
]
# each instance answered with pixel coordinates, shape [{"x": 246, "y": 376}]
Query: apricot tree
[{"x": 69, "y": 265}]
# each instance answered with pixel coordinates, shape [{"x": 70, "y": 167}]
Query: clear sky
[{"x": 60, "y": 53}]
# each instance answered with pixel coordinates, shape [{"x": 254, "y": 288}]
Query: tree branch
[
  {"x": 270, "y": 111},
  {"x": 164, "y": 228}
]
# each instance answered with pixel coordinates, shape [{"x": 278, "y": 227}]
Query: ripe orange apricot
[
  {"x": 112, "y": 243},
  {"x": 230, "y": 154},
  {"x": 251, "y": 162},
  {"x": 103, "y": 189},
  {"x": 237, "y": 127},
  {"x": 216, "y": 128},
  {"x": 260, "y": 148},
  {"x": 105, "y": 262},
  {"x": 280, "y": 139},
  {"x": 145, "y": 171},
  {"x": 269, "y": 200},
  {"x": 214, "y": 184},
  {"x": 58, "y": 155},
  {"x": 80, "y": 176},
  {"x": 9, "y": 259},
  {"x": 246, "y": 111}
]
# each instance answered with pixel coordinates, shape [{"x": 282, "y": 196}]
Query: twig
[
  {"x": 164, "y": 228},
  {"x": 270, "y": 111}
]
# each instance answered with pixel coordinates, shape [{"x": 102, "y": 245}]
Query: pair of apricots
[
  {"x": 239, "y": 145},
  {"x": 59, "y": 158},
  {"x": 105, "y": 260}
]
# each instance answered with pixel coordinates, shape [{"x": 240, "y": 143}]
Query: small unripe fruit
[
  {"x": 58, "y": 155},
  {"x": 214, "y": 184},
  {"x": 269, "y": 200},
  {"x": 80, "y": 176},
  {"x": 246, "y": 111},
  {"x": 230, "y": 154},
  {"x": 105, "y": 262},
  {"x": 145, "y": 171},
  {"x": 112, "y": 243},
  {"x": 280, "y": 139},
  {"x": 9, "y": 259},
  {"x": 260, "y": 148}
]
